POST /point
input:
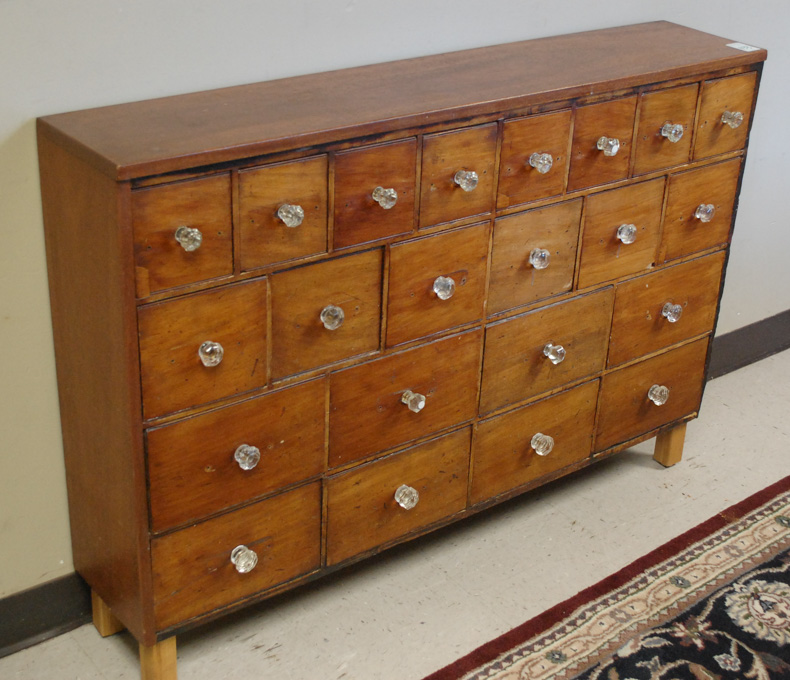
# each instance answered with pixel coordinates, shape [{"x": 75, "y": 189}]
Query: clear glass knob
[
  {"x": 541, "y": 162},
  {"x": 291, "y": 215},
  {"x": 672, "y": 131},
  {"x": 332, "y": 317},
  {"x": 247, "y": 456},
  {"x": 672, "y": 312},
  {"x": 407, "y": 496},
  {"x": 386, "y": 198},
  {"x": 466, "y": 179},
  {"x": 244, "y": 559},
  {"x": 190, "y": 238},
  {"x": 542, "y": 444},
  {"x": 444, "y": 287},
  {"x": 705, "y": 212},
  {"x": 732, "y": 118},
  {"x": 554, "y": 353},
  {"x": 414, "y": 400},
  {"x": 539, "y": 258},
  {"x": 627, "y": 233},
  {"x": 609, "y": 145},
  {"x": 658, "y": 394},
  {"x": 211, "y": 353}
]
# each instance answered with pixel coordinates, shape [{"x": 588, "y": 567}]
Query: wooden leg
[
  {"x": 103, "y": 618},
  {"x": 669, "y": 445},
  {"x": 159, "y": 661}
]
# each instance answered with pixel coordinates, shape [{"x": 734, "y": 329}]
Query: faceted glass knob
[
  {"x": 705, "y": 212},
  {"x": 626, "y": 233},
  {"x": 542, "y": 444},
  {"x": 291, "y": 215},
  {"x": 190, "y": 238},
  {"x": 386, "y": 198},
  {"x": 414, "y": 400},
  {"x": 332, "y": 317},
  {"x": 247, "y": 456},
  {"x": 732, "y": 118},
  {"x": 658, "y": 394},
  {"x": 444, "y": 287},
  {"x": 244, "y": 559},
  {"x": 211, "y": 353},
  {"x": 541, "y": 162},
  {"x": 407, "y": 496},
  {"x": 466, "y": 179},
  {"x": 672, "y": 131},
  {"x": 672, "y": 312},
  {"x": 539, "y": 258},
  {"x": 609, "y": 145},
  {"x": 554, "y": 353}
]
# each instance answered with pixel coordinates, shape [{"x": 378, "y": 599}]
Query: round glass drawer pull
[
  {"x": 189, "y": 238},
  {"x": 672, "y": 131},
  {"x": 247, "y": 456},
  {"x": 542, "y": 444},
  {"x": 291, "y": 215},
  {"x": 332, "y": 317},
  {"x": 626, "y": 233},
  {"x": 609, "y": 145},
  {"x": 414, "y": 400},
  {"x": 386, "y": 198},
  {"x": 466, "y": 179},
  {"x": 705, "y": 212},
  {"x": 554, "y": 353},
  {"x": 444, "y": 287},
  {"x": 658, "y": 394},
  {"x": 243, "y": 559},
  {"x": 539, "y": 258},
  {"x": 407, "y": 496},
  {"x": 732, "y": 118},
  {"x": 671, "y": 312},
  {"x": 211, "y": 353},
  {"x": 542, "y": 162}
]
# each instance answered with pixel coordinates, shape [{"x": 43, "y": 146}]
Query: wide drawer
[
  {"x": 724, "y": 99},
  {"x": 192, "y": 569},
  {"x": 380, "y": 502}
]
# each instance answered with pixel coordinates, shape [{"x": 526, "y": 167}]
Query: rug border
[{"x": 542, "y": 622}]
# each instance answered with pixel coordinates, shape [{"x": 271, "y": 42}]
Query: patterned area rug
[{"x": 713, "y": 604}]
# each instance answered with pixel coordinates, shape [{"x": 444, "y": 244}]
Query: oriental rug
[{"x": 713, "y": 604}]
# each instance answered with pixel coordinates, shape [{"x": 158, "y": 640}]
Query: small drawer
[
  {"x": 724, "y": 115},
  {"x": 457, "y": 174},
  {"x": 436, "y": 283},
  {"x": 621, "y": 232},
  {"x": 699, "y": 208},
  {"x": 182, "y": 233},
  {"x": 533, "y": 255},
  {"x": 404, "y": 396},
  {"x": 391, "y": 498},
  {"x": 193, "y": 569},
  {"x": 627, "y": 409},
  {"x": 531, "y": 442},
  {"x": 545, "y": 349},
  {"x": 199, "y": 466},
  {"x": 283, "y": 211},
  {"x": 326, "y": 312},
  {"x": 534, "y": 158},
  {"x": 664, "y": 308},
  {"x": 202, "y": 347},
  {"x": 374, "y": 192},
  {"x": 666, "y": 122},
  {"x": 601, "y": 143}
]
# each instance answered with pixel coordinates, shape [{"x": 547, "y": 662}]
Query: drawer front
[
  {"x": 524, "y": 174},
  {"x": 302, "y": 297},
  {"x": 230, "y": 456},
  {"x": 733, "y": 95},
  {"x": 173, "y": 333},
  {"x": 367, "y": 413},
  {"x": 657, "y": 142},
  {"x": 436, "y": 283},
  {"x": 626, "y": 410},
  {"x": 604, "y": 255},
  {"x": 503, "y": 456},
  {"x": 591, "y": 166},
  {"x": 192, "y": 569},
  {"x": 514, "y": 279},
  {"x": 269, "y": 234},
  {"x": 182, "y": 233},
  {"x": 641, "y": 324},
  {"x": 359, "y": 173},
  {"x": 515, "y": 364},
  {"x": 444, "y": 155},
  {"x": 363, "y": 508},
  {"x": 690, "y": 194}
]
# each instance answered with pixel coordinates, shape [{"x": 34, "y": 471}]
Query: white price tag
[{"x": 743, "y": 47}]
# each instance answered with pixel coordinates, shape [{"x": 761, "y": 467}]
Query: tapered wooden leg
[
  {"x": 669, "y": 445},
  {"x": 159, "y": 661},
  {"x": 103, "y": 619}
]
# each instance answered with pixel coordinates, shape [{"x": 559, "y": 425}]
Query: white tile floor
[{"x": 418, "y": 607}]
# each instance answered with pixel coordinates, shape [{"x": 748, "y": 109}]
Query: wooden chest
[{"x": 300, "y": 321}]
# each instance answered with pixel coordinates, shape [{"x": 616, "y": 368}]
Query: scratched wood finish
[{"x": 724, "y": 94}]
